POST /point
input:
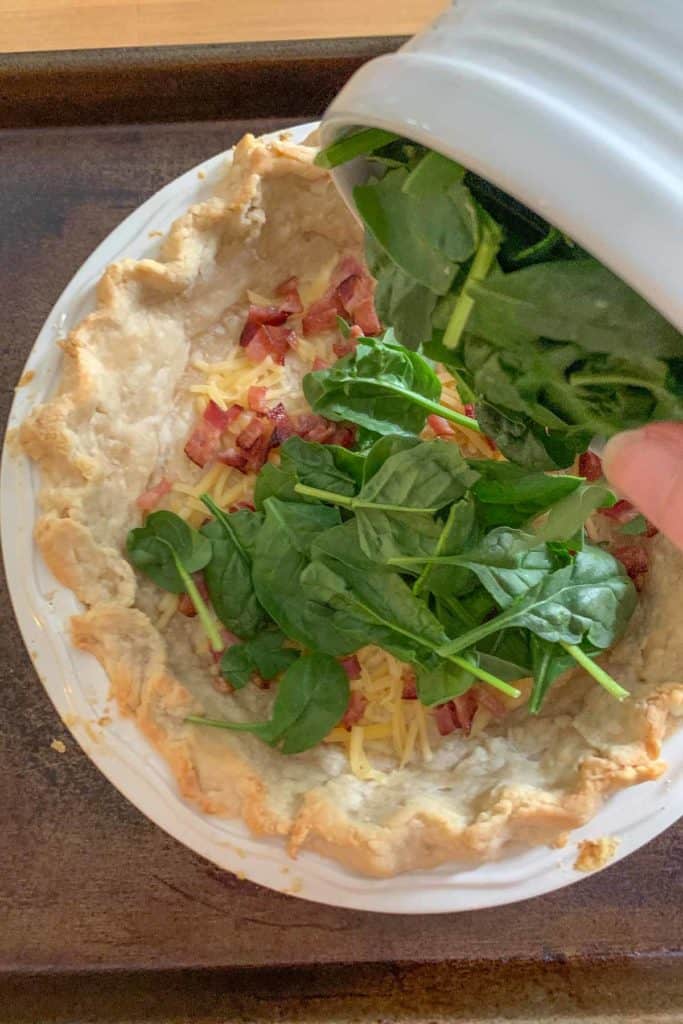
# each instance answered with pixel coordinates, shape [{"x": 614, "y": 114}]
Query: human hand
[{"x": 646, "y": 466}]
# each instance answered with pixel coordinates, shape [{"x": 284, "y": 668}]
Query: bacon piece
[
  {"x": 445, "y": 718},
  {"x": 409, "y": 685},
  {"x": 634, "y": 559},
  {"x": 150, "y": 498},
  {"x": 489, "y": 700},
  {"x": 357, "y": 296},
  {"x": 469, "y": 410},
  {"x": 322, "y": 432},
  {"x": 257, "y": 317},
  {"x": 239, "y": 505},
  {"x": 356, "y": 709},
  {"x": 344, "y": 436},
  {"x": 282, "y": 423},
  {"x": 623, "y": 512},
  {"x": 252, "y": 433},
  {"x": 270, "y": 340},
  {"x": 590, "y": 466},
  {"x": 205, "y": 440},
  {"x": 351, "y": 666},
  {"x": 256, "y": 399},
  {"x": 321, "y": 316},
  {"x": 440, "y": 426},
  {"x": 229, "y": 640},
  {"x": 234, "y": 457},
  {"x": 320, "y": 364},
  {"x": 289, "y": 291},
  {"x": 457, "y": 714}
]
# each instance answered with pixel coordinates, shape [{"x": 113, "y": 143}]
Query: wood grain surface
[
  {"x": 72, "y": 24},
  {"x": 90, "y": 889}
]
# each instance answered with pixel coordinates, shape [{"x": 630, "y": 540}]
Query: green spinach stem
[
  {"x": 486, "y": 677},
  {"x": 203, "y": 612},
  {"x": 598, "y": 673},
  {"x": 481, "y": 264},
  {"x": 354, "y": 503}
]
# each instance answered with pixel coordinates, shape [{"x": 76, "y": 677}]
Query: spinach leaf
[
  {"x": 636, "y": 528},
  {"x": 442, "y": 683},
  {"x": 458, "y": 532},
  {"x": 277, "y": 482},
  {"x": 168, "y": 551},
  {"x": 382, "y": 449},
  {"x": 228, "y": 573},
  {"x": 283, "y": 552},
  {"x": 527, "y": 443},
  {"x": 312, "y": 697},
  {"x": 507, "y": 654},
  {"x": 572, "y": 300},
  {"x": 419, "y": 236},
  {"x": 567, "y": 517},
  {"x": 357, "y": 143},
  {"x": 508, "y": 495},
  {"x": 384, "y": 536},
  {"x": 382, "y": 387},
  {"x": 329, "y": 467},
  {"x": 265, "y": 655},
  {"x": 548, "y": 661},
  {"x": 589, "y": 601},
  {"x": 400, "y": 300}
]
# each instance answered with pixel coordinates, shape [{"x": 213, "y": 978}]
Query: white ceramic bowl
[
  {"x": 575, "y": 107},
  {"x": 79, "y": 688}
]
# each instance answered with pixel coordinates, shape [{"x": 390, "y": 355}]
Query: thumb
[{"x": 646, "y": 466}]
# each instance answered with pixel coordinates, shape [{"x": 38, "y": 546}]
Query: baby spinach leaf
[
  {"x": 443, "y": 682},
  {"x": 573, "y": 300},
  {"x": 382, "y": 387},
  {"x": 168, "y": 551},
  {"x": 264, "y": 655},
  {"x": 400, "y": 300},
  {"x": 312, "y": 697},
  {"x": 568, "y": 515},
  {"x": 458, "y": 532},
  {"x": 283, "y": 552},
  {"x": 508, "y": 495},
  {"x": 357, "y": 143},
  {"x": 387, "y": 535},
  {"x": 507, "y": 654},
  {"x": 589, "y": 601},
  {"x": 382, "y": 449},
  {"x": 548, "y": 662},
  {"x": 277, "y": 482},
  {"x": 228, "y": 573},
  {"x": 637, "y": 527},
  {"x": 329, "y": 467},
  {"x": 527, "y": 443},
  {"x": 417, "y": 245}
]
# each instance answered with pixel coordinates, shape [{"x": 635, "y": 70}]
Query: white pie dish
[{"x": 79, "y": 688}]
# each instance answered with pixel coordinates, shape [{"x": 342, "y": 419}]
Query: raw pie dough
[{"x": 119, "y": 422}]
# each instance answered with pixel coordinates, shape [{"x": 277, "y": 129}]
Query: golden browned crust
[
  {"x": 595, "y": 853},
  {"x": 108, "y": 432}
]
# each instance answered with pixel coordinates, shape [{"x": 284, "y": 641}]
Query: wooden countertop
[{"x": 87, "y": 24}]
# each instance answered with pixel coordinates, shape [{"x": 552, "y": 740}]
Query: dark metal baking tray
[{"x": 103, "y": 917}]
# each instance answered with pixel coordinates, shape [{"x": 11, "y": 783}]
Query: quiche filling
[{"x": 347, "y": 595}]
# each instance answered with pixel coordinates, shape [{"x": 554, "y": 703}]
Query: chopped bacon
[
  {"x": 322, "y": 432},
  {"x": 185, "y": 603},
  {"x": 350, "y": 293},
  {"x": 409, "y": 691},
  {"x": 205, "y": 440},
  {"x": 357, "y": 296},
  {"x": 269, "y": 340},
  {"x": 440, "y": 426},
  {"x": 457, "y": 714},
  {"x": 252, "y": 433},
  {"x": 235, "y": 458},
  {"x": 257, "y": 317},
  {"x": 319, "y": 364},
  {"x": 150, "y": 498},
  {"x": 222, "y": 685},
  {"x": 229, "y": 640},
  {"x": 240, "y": 505},
  {"x": 623, "y": 512},
  {"x": 311, "y": 427},
  {"x": 256, "y": 399},
  {"x": 491, "y": 701},
  {"x": 345, "y": 437},
  {"x": 445, "y": 718},
  {"x": 634, "y": 559},
  {"x": 469, "y": 410},
  {"x": 590, "y": 466},
  {"x": 354, "y": 712},
  {"x": 320, "y": 316},
  {"x": 284, "y": 427},
  {"x": 351, "y": 666},
  {"x": 491, "y": 443},
  {"x": 289, "y": 290}
]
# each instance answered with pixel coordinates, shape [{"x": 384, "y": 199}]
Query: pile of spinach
[
  {"x": 550, "y": 346},
  {"x": 467, "y": 570}
]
